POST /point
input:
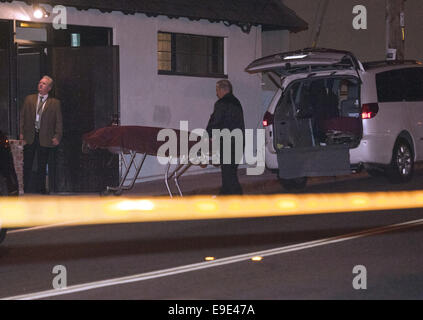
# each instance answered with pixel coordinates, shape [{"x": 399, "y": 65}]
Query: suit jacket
[
  {"x": 227, "y": 114},
  {"x": 51, "y": 125}
]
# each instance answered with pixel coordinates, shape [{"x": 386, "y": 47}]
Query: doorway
[
  {"x": 86, "y": 81},
  {"x": 31, "y": 66},
  {"x": 87, "y": 86}
]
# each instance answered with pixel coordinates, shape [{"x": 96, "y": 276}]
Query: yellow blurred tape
[{"x": 32, "y": 211}]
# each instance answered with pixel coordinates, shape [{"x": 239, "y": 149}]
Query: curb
[{"x": 257, "y": 185}]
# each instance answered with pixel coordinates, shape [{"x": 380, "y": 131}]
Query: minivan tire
[
  {"x": 401, "y": 168},
  {"x": 293, "y": 184}
]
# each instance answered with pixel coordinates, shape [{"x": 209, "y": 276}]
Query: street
[
  {"x": 302, "y": 257},
  {"x": 122, "y": 124}
]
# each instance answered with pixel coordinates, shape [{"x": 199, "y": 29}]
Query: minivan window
[
  {"x": 413, "y": 83},
  {"x": 390, "y": 86}
]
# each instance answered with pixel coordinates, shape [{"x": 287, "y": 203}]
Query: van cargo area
[{"x": 314, "y": 115}]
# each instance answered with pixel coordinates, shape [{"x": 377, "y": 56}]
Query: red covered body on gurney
[{"x": 134, "y": 140}]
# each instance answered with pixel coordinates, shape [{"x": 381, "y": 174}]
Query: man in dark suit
[
  {"x": 41, "y": 129},
  {"x": 228, "y": 114}
]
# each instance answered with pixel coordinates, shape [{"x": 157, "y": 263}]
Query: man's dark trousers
[
  {"x": 39, "y": 181},
  {"x": 230, "y": 182}
]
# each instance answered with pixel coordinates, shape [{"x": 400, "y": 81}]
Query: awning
[{"x": 270, "y": 14}]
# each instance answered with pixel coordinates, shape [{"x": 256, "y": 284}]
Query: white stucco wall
[{"x": 158, "y": 100}]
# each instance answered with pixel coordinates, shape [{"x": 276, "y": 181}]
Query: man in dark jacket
[{"x": 228, "y": 115}]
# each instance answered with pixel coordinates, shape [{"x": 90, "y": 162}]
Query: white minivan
[{"x": 332, "y": 113}]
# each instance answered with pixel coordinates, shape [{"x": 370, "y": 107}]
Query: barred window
[{"x": 191, "y": 55}]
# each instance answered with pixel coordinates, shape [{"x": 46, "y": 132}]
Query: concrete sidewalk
[{"x": 209, "y": 184}]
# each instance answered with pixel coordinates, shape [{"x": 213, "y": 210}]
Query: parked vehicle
[
  {"x": 332, "y": 113},
  {"x": 8, "y": 180}
]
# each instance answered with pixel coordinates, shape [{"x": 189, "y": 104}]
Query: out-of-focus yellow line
[{"x": 29, "y": 212}]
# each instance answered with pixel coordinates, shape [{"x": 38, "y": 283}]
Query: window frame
[{"x": 174, "y": 53}]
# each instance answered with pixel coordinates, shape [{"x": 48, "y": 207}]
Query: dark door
[
  {"x": 6, "y": 103},
  {"x": 31, "y": 67},
  {"x": 87, "y": 84}
]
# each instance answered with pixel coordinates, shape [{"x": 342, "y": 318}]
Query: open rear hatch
[
  {"x": 318, "y": 118},
  {"x": 306, "y": 60}
]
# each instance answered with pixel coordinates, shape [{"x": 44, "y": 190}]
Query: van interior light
[{"x": 298, "y": 56}]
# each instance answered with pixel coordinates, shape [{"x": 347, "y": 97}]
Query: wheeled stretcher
[{"x": 138, "y": 140}]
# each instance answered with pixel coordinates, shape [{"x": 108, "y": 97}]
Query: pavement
[{"x": 209, "y": 184}]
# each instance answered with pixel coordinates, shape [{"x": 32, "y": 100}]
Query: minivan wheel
[
  {"x": 401, "y": 168},
  {"x": 293, "y": 184}
]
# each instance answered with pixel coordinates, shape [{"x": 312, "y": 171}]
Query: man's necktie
[{"x": 38, "y": 114}]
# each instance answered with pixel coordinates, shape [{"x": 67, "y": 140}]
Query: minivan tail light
[
  {"x": 369, "y": 110},
  {"x": 268, "y": 119}
]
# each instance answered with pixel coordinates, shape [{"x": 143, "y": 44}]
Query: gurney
[{"x": 138, "y": 140}]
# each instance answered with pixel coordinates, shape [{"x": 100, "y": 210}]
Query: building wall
[
  {"x": 338, "y": 32},
  {"x": 158, "y": 100}
]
